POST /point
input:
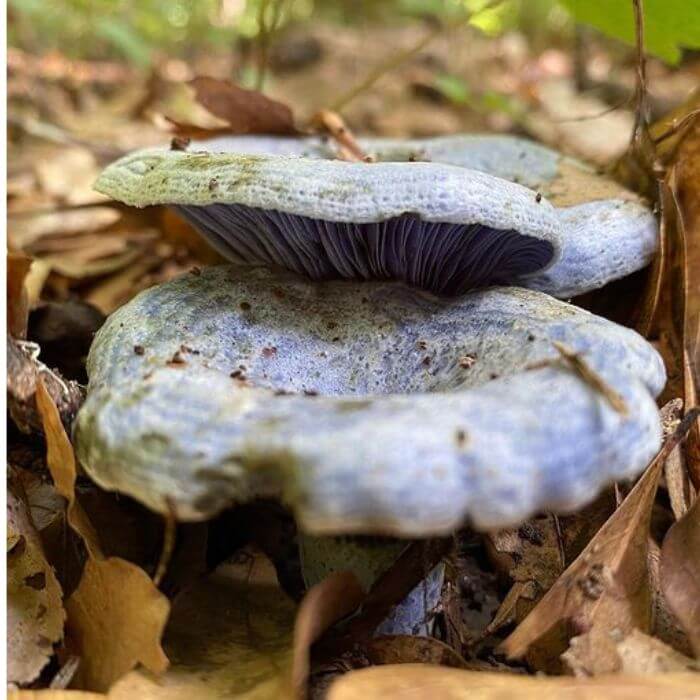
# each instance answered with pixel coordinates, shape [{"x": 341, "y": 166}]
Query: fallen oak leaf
[
  {"x": 412, "y": 681},
  {"x": 606, "y": 587},
  {"x": 230, "y": 635},
  {"x": 116, "y": 615},
  {"x": 35, "y": 614},
  {"x": 243, "y": 111},
  {"x": 680, "y": 573}
]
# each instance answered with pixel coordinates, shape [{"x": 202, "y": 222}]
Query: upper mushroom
[
  {"x": 440, "y": 227},
  {"x": 605, "y": 231}
]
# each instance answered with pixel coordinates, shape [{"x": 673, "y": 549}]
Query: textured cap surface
[{"x": 368, "y": 407}]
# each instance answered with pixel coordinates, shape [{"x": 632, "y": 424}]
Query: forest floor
[{"x": 231, "y": 630}]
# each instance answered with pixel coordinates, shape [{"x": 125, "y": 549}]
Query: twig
[
  {"x": 687, "y": 120},
  {"x": 640, "y": 132},
  {"x": 586, "y": 373},
  {"x": 332, "y": 124},
  {"x": 598, "y": 115},
  {"x": 265, "y": 32},
  {"x": 591, "y": 377},
  {"x": 166, "y": 554}
]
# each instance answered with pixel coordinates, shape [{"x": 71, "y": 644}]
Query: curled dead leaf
[
  {"x": 322, "y": 606},
  {"x": 605, "y": 592},
  {"x": 680, "y": 573},
  {"x": 243, "y": 111}
]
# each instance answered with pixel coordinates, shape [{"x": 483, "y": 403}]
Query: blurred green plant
[
  {"x": 669, "y": 25},
  {"x": 136, "y": 29}
]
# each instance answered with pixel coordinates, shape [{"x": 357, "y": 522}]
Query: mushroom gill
[{"x": 445, "y": 258}]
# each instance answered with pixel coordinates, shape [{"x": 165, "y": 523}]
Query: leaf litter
[{"x": 586, "y": 594}]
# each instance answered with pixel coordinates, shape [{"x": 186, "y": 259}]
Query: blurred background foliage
[{"x": 140, "y": 30}]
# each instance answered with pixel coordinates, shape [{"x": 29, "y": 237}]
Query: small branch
[
  {"x": 166, "y": 554},
  {"x": 332, "y": 124},
  {"x": 587, "y": 374},
  {"x": 641, "y": 112},
  {"x": 592, "y": 378},
  {"x": 265, "y": 33}
]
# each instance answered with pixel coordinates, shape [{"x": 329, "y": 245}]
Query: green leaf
[
  {"x": 453, "y": 88},
  {"x": 125, "y": 39},
  {"x": 669, "y": 25}
]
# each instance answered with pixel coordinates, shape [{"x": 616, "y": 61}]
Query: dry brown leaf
[
  {"x": 24, "y": 370},
  {"x": 640, "y": 653},
  {"x": 77, "y": 268},
  {"x": 418, "y": 682},
  {"x": 69, "y": 176},
  {"x": 409, "y": 649},
  {"x": 665, "y": 627},
  {"x": 51, "y": 694},
  {"x": 323, "y": 605},
  {"x": 532, "y": 556},
  {"x": 229, "y": 636},
  {"x": 117, "y": 615},
  {"x": 113, "y": 291},
  {"x": 243, "y": 111},
  {"x": 680, "y": 573},
  {"x": 25, "y": 230},
  {"x": 605, "y": 592},
  {"x": 684, "y": 180},
  {"x": 35, "y": 614},
  {"x": 17, "y": 299}
]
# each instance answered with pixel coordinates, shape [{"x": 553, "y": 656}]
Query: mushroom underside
[
  {"x": 367, "y": 407},
  {"x": 606, "y": 231},
  {"x": 445, "y": 258}
]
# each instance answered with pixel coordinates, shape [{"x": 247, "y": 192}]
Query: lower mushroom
[
  {"x": 373, "y": 407},
  {"x": 367, "y": 407}
]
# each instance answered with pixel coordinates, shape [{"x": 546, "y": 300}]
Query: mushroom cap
[
  {"x": 438, "y": 226},
  {"x": 606, "y": 231},
  {"x": 368, "y": 407}
]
